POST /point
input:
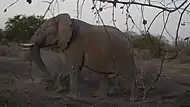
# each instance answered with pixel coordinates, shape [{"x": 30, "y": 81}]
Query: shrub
[
  {"x": 151, "y": 43},
  {"x": 20, "y": 28}
]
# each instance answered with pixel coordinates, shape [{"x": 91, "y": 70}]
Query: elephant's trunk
[{"x": 36, "y": 56}]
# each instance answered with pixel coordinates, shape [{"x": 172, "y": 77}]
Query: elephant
[{"x": 104, "y": 49}]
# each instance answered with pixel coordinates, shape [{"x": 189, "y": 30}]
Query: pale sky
[{"x": 69, "y": 6}]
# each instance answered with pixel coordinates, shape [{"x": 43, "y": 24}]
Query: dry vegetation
[
  {"x": 13, "y": 50},
  {"x": 171, "y": 90}
]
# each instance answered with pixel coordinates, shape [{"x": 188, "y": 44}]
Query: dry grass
[
  {"x": 10, "y": 51},
  {"x": 142, "y": 54},
  {"x": 14, "y": 50},
  {"x": 184, "y": 55}
]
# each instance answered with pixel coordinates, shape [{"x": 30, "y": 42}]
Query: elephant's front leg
[
  {"x": 101, "y": 93},
  {"x": 74, "y": 82},
  {"x": 61, "y": 81}
]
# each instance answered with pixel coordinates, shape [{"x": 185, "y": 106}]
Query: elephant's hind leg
[
  {"x": 101, "y": 92},
  {"x": 129, "y": 84},
  {"x": 133, "y": 89}
]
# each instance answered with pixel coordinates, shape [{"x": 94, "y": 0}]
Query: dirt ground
[{"x": 17, "y": 89}]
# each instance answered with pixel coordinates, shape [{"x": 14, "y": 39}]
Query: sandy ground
[{"x": 17, "y": 90}]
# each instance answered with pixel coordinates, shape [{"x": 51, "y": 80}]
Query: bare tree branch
[
  {"x": 97, "y": 11},
  {"x": 148, "y": 5},
  {"x": 154, "y": 20},
  {"x": 178, "y": 27}
]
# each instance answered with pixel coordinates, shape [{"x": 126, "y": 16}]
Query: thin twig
[
  {"x": 10, "y": 5},
  {"x": 101, "y": 20},
  {"x": 78, "y": 9},
  {"x": 154, "y": 20},
  {"x": 163, "y": 59},
  {"x": 113, "y": 16},
  {"x": 57, "y": 6},
  {"x": 81, "y": 8},
  {"x": 132, "y": 20},
  {"x": 143, "y": 18},
  {"x": 165, "y": 23},
  {"x": 176, "y": 7},
  {"x": 48, "y": 8},
  {"x": 169, "y": 34},
  {"x": 172, "y": 1}
]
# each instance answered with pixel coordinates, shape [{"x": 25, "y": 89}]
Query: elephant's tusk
[{"x": 26, "y": 46}]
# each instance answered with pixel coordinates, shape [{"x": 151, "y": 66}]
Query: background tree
[
  {"x": 3, "y": 40},
  {"x": 1, "y": 34},
  {"x": 151, "y": 43},
  {"x": 20, "y": 28}
]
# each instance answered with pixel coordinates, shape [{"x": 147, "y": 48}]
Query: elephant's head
[{"x": 56, "y": 31}]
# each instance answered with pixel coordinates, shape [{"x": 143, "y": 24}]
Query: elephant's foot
[
  {"x": 134, "y": 95},
  {"x": 61, "y": 89},
  {"x": 73, "y": 96},
  {"x": 137, "y": 97},
  {"x": 100, "y": 95},
  {"x": 144, "y": 94},
  {"x": 143, "y": 98},
  {"x": 133, "y": 98},
  {"x": 49, "y": 85}
]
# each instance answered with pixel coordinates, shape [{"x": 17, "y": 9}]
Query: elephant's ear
[{"x": 64, "y": 30}]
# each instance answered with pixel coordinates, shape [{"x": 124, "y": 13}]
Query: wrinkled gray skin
[{"x": 104, "y": 50}]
